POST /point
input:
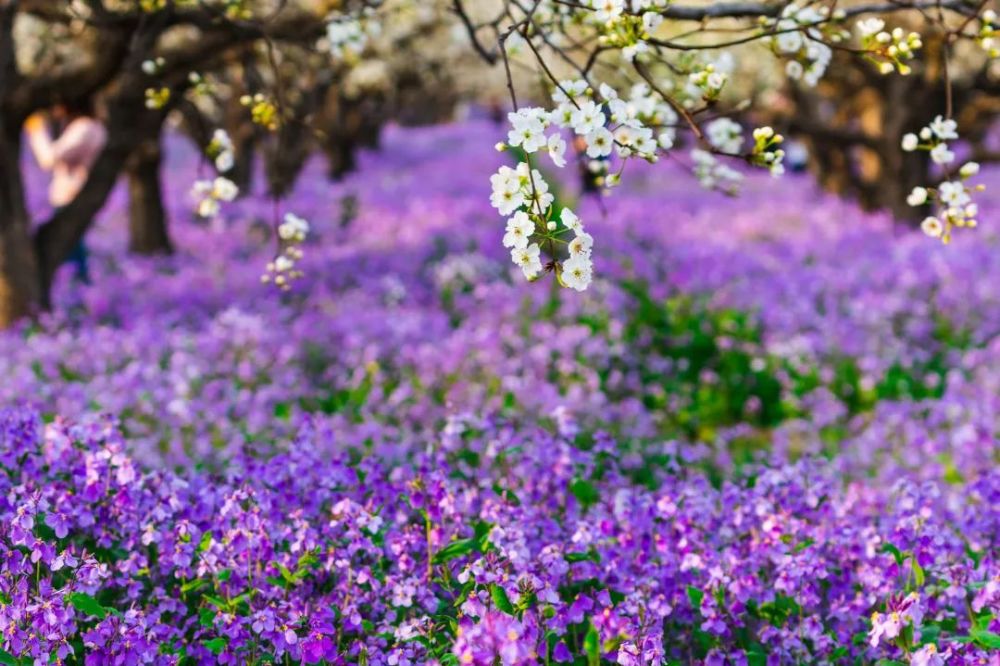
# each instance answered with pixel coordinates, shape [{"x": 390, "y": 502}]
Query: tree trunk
[
  {"x": 147, "y": 218},
  {"x": 242, "y": 172},
  {"x": 20, "y": 281},
  {"x": 20, "y": 284}
]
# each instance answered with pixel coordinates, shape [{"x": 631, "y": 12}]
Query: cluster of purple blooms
[{"x": 765, "y": 435}]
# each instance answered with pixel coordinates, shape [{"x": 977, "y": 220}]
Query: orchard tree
[
  {"x": 142, "y": 56},
  {"x": 632, "y": 78},
  {"x": 279, "y": 78},
  {"x": 852, "y": 120}
]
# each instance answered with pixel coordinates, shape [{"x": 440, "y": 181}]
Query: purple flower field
[{"x": 766, "y": 434}]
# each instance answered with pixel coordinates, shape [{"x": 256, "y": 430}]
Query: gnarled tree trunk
[
  {"x": 147, "y": 218},
  {"x": 20, "y": 282}
]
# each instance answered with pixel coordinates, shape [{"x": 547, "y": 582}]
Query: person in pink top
[{"x": 69, "y": 157}]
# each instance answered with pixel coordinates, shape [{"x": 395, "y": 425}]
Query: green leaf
[
  {"x": 206, "y": 541},
  {"x": 584, "y": 492},
  {"x": 206, "y": 617},
  {"x": 589, "y": 556},
  {"x": 803, "y": 545},
  {"x": 216, "y": 645},
  {"x": 975, "y": 555},
  {"x": 918, "y": 571},
  {"x": 456, "y": 549},
  {"x": 695, "y": 596},
  {"x": 217, "y": 602},
  {"x": 929, "y": 634},
  {"x": 896, "y": 552},
  {"x": 8, "y": 659},
  {"x": 87, "y": 604},
  {"x": 984, "y": 638},
  {"x": 287, "y": 574},
  {"x": 193, "y": 585},
  {"x": 592, "y": 646},
  {"x": 500, "y": 599}
]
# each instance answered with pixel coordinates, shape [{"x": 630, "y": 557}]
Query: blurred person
[
  {"x": 69, "y": 157},
  {"x": 797, "y": 156}
]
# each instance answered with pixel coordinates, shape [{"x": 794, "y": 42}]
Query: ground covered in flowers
[{"x": 765, "y": 435}]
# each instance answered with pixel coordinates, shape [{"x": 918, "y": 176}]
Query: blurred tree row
[
  {"x": 200, "y": 59},
  {"x": 852, "y": 121},
  {"x": 191, "y": 64}
]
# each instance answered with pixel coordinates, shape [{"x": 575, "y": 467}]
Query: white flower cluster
[
  {"x": 220, "y": 149},
  {"x": 766, "y": 152},
  {"x": 629, "y": 131},
  {"x": 346, "y": 38},
  {"x": 152, "y": 66},
  {"x": 210, "y": 193},
  {"x": 954, "y": 198},
  {"x": 578, "y": 270},
  {"x": 726, "y": 135},
  {"x": 524, "y": 195},
  {"x": 523, "y": 186},
  {"x": 283, "y": 269},
  {"x": 626, "y": 25},
  {"x": 987, "y": 33},
  {"x": 638, "y": 125},
  {"x": 799, "y": 38},
  {"x": 888, "y": 50},
  {"x": 709, "y": 80},
  {"x": 934, "y": 138},
  {"x": 713, "y": 174}
]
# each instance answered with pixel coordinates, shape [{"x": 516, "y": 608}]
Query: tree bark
[
  {"x": 147, "y": 218},
  {"x": 20, "y": 282}
]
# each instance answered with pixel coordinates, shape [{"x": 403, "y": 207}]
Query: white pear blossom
[
  {"x": 528, "y": 259},
  {"x": 557, "y": 150},
  {"x": 293, "y": 228},
  {"x": 346, "y": 37},
  {"x": 581, "y": 244},
  {"x": 519, "y": 229},
  {"x": 917, "y": 197},
  {"x": 577, "y": 272},
  {"x": 220, "y": 148},
  {"x": 725, "y": 135},
  {"x": 587, "y": 118},
  {"x": 607, "y": 10},
  {"x": 940, "y": 154},
  {"x": 953, "y": 193},
  {"x": 944, "y": 128},
  {"x": 932, "y": 227},
  {"x": 599, "y": 142},
  {"x": 570, "y": 220},
  {"x": 569, "y": 89},
  {"x": 508, "y": 193},
  {"x": 870, "y": 26},
  {"x": 713, "y": 175},
  {"x": 530, "y": 137},
  {"x": 969, "y": 169},
  {"x": 651, "y": 21},
  {"x": 211, "y": 192}
]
